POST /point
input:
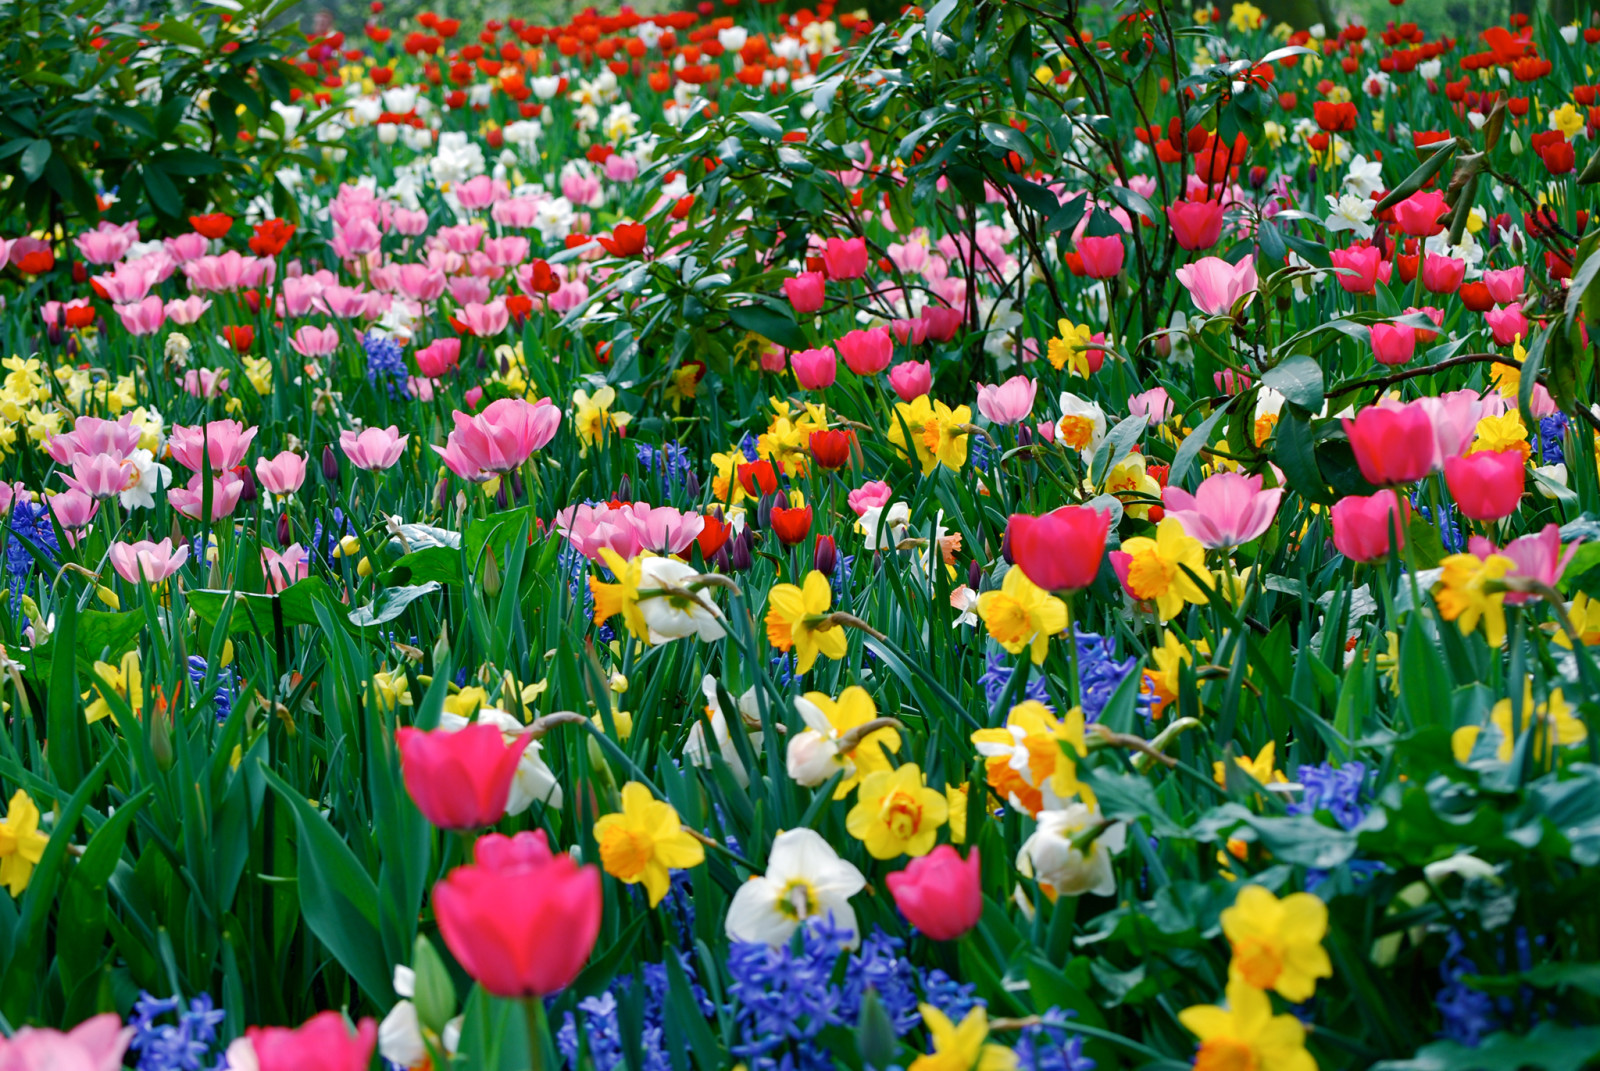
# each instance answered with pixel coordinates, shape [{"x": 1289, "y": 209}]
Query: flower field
[{"x": 1015, "y": 536}]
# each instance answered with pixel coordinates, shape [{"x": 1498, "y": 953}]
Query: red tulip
[
  {"x": 1060, "y": 551},
  {"x": 831, "y": 448},
  {"x": 791, "y": 525},
  {"x": 521, "y": 920},
  {"x": 713, "y": 535},
  {"x": 757, "y": 478},
  {"x": 322, "y": 1043},
  {"x": 1195, "y": 224},
  {"x": 1477, "y": 297},
  {"x": 1363, "y": 525},
  {"x": 1488, "y": 485},
  {"x": 940, "y": 893},
  {"x": 461, "y": 779},
  {"x": 1394, "y": 444},
  {"x": 215, "y": 225},
  {"x": 1418, "y": 215},
  {"x": 627, "y": 240}
]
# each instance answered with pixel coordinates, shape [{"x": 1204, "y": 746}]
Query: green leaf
[
  {"x": 34, "y": 157},
  {"x": 253, "y": 612},
  {"x": 686, "y": 1026},
  {"x": 763, "y": 125},
  {"x": 1419, "y": 178},
  {"x": 1298, "y": 379},
  {"x": 391, "y": 603},
  {"x": 69, "y": 746},
  {"x": 1296, "y": 454},
  {"x": 1548, "y": 1046},
  {"x": 1010, "y": 139},
  {"x": 769, "y": 324},
  {"x": 1020, "y": 61},
  {"x": 1190, "y": 448},
  {"x": 164, "y": 196}
]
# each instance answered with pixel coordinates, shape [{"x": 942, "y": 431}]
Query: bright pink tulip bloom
[
  {"x": 1102, "y": 257},
  {"x": 224, "y": 442},
  {"x": 1487, "y": 485},
  {"x": 1155, "y": 405},
  {"x": 153, "y": 562},
  {"x": 664, "y": 529},
  {"x": 311, "y": 341},
  {"x": 1443, "y": 275},
  {"x": 806, "y": 291},
  {"x": 1505, "y": 286},
  {"x": 1393, "y": 444},
  {"x": 299, "y": 295},
  {"x": 1360, "y": 268},
  {"x": 107, "y": 243},
  {"x": 943, "y": 323},
  {"x": 410, "y": 221},
  {"x": 460, "y": 779},
  {"x": 1538, "y": 556},
  {"x": 345, "y": 302},
  {"x": 940, "y": 893},
  {"x": 1010, "y": 402},
  {"x": 185, "y": 247},
  {"x": 285, "y": 568},
  {"x": 1060, "y": 550},
  {"x": 1227, "y": 510},
  {"x": 909, "y": 332},
  {"x": 870, "y": 495},
  {"x": 282, "y": 475},
  {"x": 589, "y": 528},
  {"x": 1215, "y": 286},
  {"x": 845, "y": 258},
  {"x": 374, "y": 449},
  {"x": 127, "y": 283},
  {"x": 814, "y": 369},
  {"x": 911, "y": 379},
  {"x": 322, "y": 1043},
  {"x": 499, "y": 439},
  {"x": 95, "y": 1044},
  {"x": 92, "y": 435},
  {"x": 867, "y": 352},
  {"x": 100, "y": 475},
  {"x": 1393, "y": 344},
  {"x": 73, "y": 508},
  {"x": 189, "y": 500},
  {"x": 438, "y": 357},
  {"x": 481, "y": 192},
  {"x": 206, "y": 382},
  {"x": 523, "y": 920},
  {"x": 1363, "y": 525},
  {"x": 420, "y": 282},
  {"x": 1507, "y": 324},
  {"x": 1195, "y": 224},
  {"x": 469, "y": 289},
  {"x": 1418, "y": 215},
  {"x": 484, "y": 321}
]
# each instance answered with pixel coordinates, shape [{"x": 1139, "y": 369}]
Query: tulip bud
[
  {"x": 625, "y": 488},
  {"x": 248, "y": 492},
  {"x": 435, "y": 992},
  {"x": 500, "y": 496},
  {"x": 285, "y": 530},
  {"x": 974, "y": 574},
  {"x": 1024, "y": 435},
  {"x": 442, "y": 494},
  {"x": 516, "y": 486},
  {"x": 741, "y": 553},
  {"x": 764, "y": 511},
  {"x": 691, "y": 485},
  {"x": 330, "y": 465},
  {"x": 1005, "y": 547},
  {"x": 825, "y": 558}
]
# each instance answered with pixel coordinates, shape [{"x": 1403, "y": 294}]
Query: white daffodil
[
  {"x": 805, "y": 879},
  {"x": 673, "y": 616},
  {"x": 1364, "y": 177},
  {"x": 813, "y": 755},
  {"x": 150, "y": 477},
  {"x": 695, "y": 750},
  {"x": 1050, "y": 857},
  {"x": 400, "y": 1034},
  {"x": 1349, "y": 212},
  {"x": 1082, "y": 425},
  {"x": 885, "y": 526}
]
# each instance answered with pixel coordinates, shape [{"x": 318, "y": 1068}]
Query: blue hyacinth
[
  {"x": 386, "y": 361},
  {"x": 669, "y": 463},
  {"x": 747, "y": 446},
  {"x": 1049, "y": 1046},
  {"x": 1466, "y": 1014},
  {"x": 1100, "y": 674},
  {"x": 30, "y": 526},
  {"x": 223, "y": 700},
  {"x": 998, "y": 676},
  {"x": 1552, "y": 433},
  {"x": 188, "y": 1044}
]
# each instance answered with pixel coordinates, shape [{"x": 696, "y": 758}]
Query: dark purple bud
[
  {"x": 285, "y": 530},
  {"x": 1005, "y": 547},
  {"x": 764, "y": 511},
  {"x": 826, "y": 557},
  {"x": 742, "y": 553},
  {"x": 247, "y": 493},
  {"x": 516, "y": 486},
  {"x": 974, "y": 574},
  {"x": 691, "y": 486},
  {"x": 1024, "y": 435},
  {"x": 500, "y": 496},
  {"x": 625, "y": 488},
  {"x": 330, "y": 465}
]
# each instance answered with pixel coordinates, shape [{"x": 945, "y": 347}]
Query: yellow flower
[
  {"x": 1568, "y": 120},
  {"x": 593, "y": 418},
  {"x": 1151, "y": 568},
  {"x": 258, "y": 370},
  {"x": 1030, "y": 752},
  {"x": 852, "y": 709},
  {"x": 1553, "y": 721},
  {"x": 1166, "y": 662},
  {"x": 725, "y": 485},
  {"x": 961, "y": 1048},
  {"x": 391, "y": 689},
  {"x": 644, "y": 841},
  {"x": 1277, "y": 944},
  {"x": 1134, "y": 486},
  {"x": 125, "y": 680},
  {"x": 1246, "y": 1036},
  {"x": 1504, "y": 432},
  {"x": 1585, "y": 615},
  {"x": 1260, "y": 767},
  {"x": 466, "y": 702},
  {"x": 682, "y": 385},
  {"x": 1070, "y": 348},
  {"x": 935, "y": 430},
  {"x": 21, "y": 843},
  {"x": 794, "y": 620},
  {"x": 787, "y": 440},
  {"x": 955, "y": 797},
  {"x": 1462, "y": 598},
  {"x": 1245, "y": 17},
  {"x": 1022, "y": 614},
  {"x": 621, "y": 597},
  {"x": 896, "y": 813}
]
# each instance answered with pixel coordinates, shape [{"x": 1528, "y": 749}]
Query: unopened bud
[
  {"x": 825, "y": 559},
  {"x": 330, "y": 465}
]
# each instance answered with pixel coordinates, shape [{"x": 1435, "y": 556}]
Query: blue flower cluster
[
  {"x": 668, "y": 462},
  {"x": 223, "y": 700},
  {"x": 998, "y": 676},
  {"x": 386, "y": 361},
  {"x": 1342, "y": 792},
  {"x": 1451, "y": 534},
  {"x": 1466, "y": 1014},
  {"x": 1100, "y": 674},
  {"x": 1552, "y": 434},
  {"x": 603, "y": 1017},
  {"x": 1048, "y": 1046},
  {"x": 188, "y": 1044},
  {"x": 30, "y": 526},
  {"x": 747, "y": 446}
]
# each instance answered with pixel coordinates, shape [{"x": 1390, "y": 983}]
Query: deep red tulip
[
  {"x": 1060, "y": 551},
  {"x": 757, "y": 478},
  {"x": 831, "y": 448}
]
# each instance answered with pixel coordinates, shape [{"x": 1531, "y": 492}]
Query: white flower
[
  {"x": 885, "y": 529},
  {"x": 813, "y": 754},
  {"x": 1547, "y": 478},
  {"x": 1364, "y": 178},
  {"x": 554, "y": 220},
  {"x": 1429, "y": 69},
  {"x": 524, "y": 134},
  {"x": 1569, "y": 34},
  {"x": 1049, "y": 855},
  {"x": 364, "y": 111},
  {"x": 622, "y": 122},
  {"x": 456, "y": 159},
  {"x": 648, "y": 32},
  {"x": 400, "y": 99},
  {"x": 694, "y": 749},
  {"x": 733, "y": 38},
  {"x": 151, "y": 477},
  {"x": 291, "y": 114},
  {"x": 805, "y": 879},
  {"x": 400, "y": 1033},
  {"x": 546, "y": 86},
  {"x": 1082, "y": 425},
  {"x": 671, "y": 617},
  {"x": 417, "y": 138},
  {"x": 965, "y": 602},
  {"x": 533, "y": 781},
  {"x": 1349, "y": 212}
]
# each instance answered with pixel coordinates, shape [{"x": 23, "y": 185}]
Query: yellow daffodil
[
  {"x": 787, "y": 440},
  {"x": 1245, "y": 17},
  {"x": 1070, "y": 347},
  {"x": 621, "y": 597},
  {"x": 1246, "y": 1036},
  {"x": 896, "y": 813},
  {"x": 1585, "y": 615},
  {"x": 1277, "y": 944},
  {"x": 961, "y": 1048},
  {"x": 1021, "y": 615},
  {"x": 794, "y": 621},
  {"x": 1504, "y": 432},
  {"x": 645, "y": 841},
  {"x": 1553, "y": 720},
  {"x": 1151, "y": 569},
  {"x": 1261, "y": 767},
  {"x": 21, "y": 843},
  {"x": 1463, "y": 598},
  {"x": 1162, "y": 677},
  {"x": 955, "y": 797},
  {"x": 936, "y": 431},
  {"x": 258, "y": 370},
  {"x": 593, "y": 418},
  {"x": 1134, "y": 486},
  {"x": 124, "y": 679},
  {"x": 1567, "y": 119},
  {"x": 821, "y": 750},
  {"x": 725, "y": 485},
  {"x": 391, "y": 689},
  {"x": 1030, "y": 752}
]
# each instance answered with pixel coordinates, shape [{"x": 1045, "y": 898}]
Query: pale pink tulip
[
  {"x": 310, "y": 341},
  {"x": 189, "y": 500},
  {"x": 186, "y": 311},
  {"x": 224, "y": 442},
  {"x": 484, "y": 321},
  {"x": 1010, "y": 402},
  {"x": 374, "y": 449},
  {"x": 1215, "y": 286},
  {"x": 1155, "y": 405},
  {"x": 1227, "y": 510},
  {"x": 283, "y": 474},
  {"x": 1539, "y": 556},
  {"x": 95, "y": 1044},
  {"x": 153, "y": 562},
  {"x": 284, "y": 569}
]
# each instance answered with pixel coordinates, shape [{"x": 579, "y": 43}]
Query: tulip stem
[{"x": 533, "y": 1008}]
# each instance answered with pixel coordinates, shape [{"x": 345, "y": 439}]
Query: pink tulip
[
  {"x": 73, "y": 508},
  {"x": 469, "y": 289},
  {"x": 940, "y": 893},
  {"x": 107, "y": 243},
  {"x": 845, "y": 258},
  {"x": 500, "y": 439},
  {"x": 460, "y": 779},
  {"x": 283, "y": 474},
  {"x": 224, "y": 442},
  {"x": 1487, "y": 485},
  {"x": 410, "y": 221},
  {"x": 1393, "y": 344},
  {"x": 1227, "y": 510},
  {"x": 127, "y": 283},
  {"x": 1102, "y": 257},
  {"x": 1356, "y": 268},
  {"x": 1394, "y": 444},
  {"x": 1215, "y": 286},
  {"x": 144, "y": 317},
  {"x": 1505, "y": 286},
  {"x": 480, "y": 192},
  {"x": 806, "y": 291},
  {"x": 1442, "y": 275},
  {"x": 322, "y": 1043},
  {"x": 1155, "y": 405},
  {"x": 1060, "y": 550},
  {"x": 1364, "y": 525},
  {"x": 1507, "y": 324},
  {"x": 438, "y": 357},
  {"x": 874, "y": 494},
  {"x": 523, "y": 920},
  {"x": 374, "y": 449},
  {"x": 284, "y": 569},
  {"x": 92, "y": 435},
  {"x": 589, "y": 528},
  {"x": 484, "y": 321},
  {"x": 1195, "y": 224},
  {"x": 299, "y": 296},
  {"x": 96, "y": 1044},
  {"x": 909, "y": 332},
  {"x": 1010, "y": 402},
  {"x": 230, "y": 271},
  {"x": 911, "y": 379},
  {"x": 1455, "y": 420},
  {"x": 345, "y": 302},
  {"x": 185, "y": 247},
  {"x": 943, "y": 323},
  {"x": 153, "y": 562},
  {"x": 186, "y": 311},
  {"x": 311, "y": 341},
  {"x": 814, "y": 369},
  {"x": 101, "y": 475},
  {"x": 1418, "y": 215},
  {"x": 1435, "y": 314},
  {"x": 420, "y": 282},
  {"x": 1538, "y": 556},
  {"x": 189, "y": 500},
  {"x": 663, "y": 529},
  {"x": 867, "y": 352}
]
